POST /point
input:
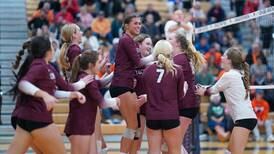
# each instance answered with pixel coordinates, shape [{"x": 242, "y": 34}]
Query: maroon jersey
[
  {"x": 81, "y": 118},
  {"x": 140, "y": 86},
  {"x": 45, "y": 77},
  {"x": 127, "y": 59},
  {"x": 190, "y": 100},
  {"x": 164, "y": 92},
  {"x": 73, "y": 51}
]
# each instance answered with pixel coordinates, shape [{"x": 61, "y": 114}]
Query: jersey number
[{"x": 160, "y": 77}]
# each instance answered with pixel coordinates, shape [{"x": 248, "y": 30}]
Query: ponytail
[
  {"x": 245, "y": 78},
  {"x": 167, "y": 63},
  {"x": 196, "y": 57},
  {"x": 23, "y": 68},
  {"x": 187, "y": 46},
  {"x": 75, "y": 68},
  {"x": 81, "y": 62},
  {"x": 64, "y": 64}
]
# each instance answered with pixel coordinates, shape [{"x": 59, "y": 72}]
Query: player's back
[{"x": 164, "y": 90}]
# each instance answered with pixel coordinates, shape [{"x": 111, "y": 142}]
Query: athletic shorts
[
  {"x": 27, "y": 125},
  {"x": 249, "y": 124},
  {"x": 117, "y": 91},
  {"x": 189, "y": 112},
  {"x": 162, "y": 124}
]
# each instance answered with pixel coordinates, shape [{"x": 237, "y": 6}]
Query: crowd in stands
[{"x": 101, "y": 22}]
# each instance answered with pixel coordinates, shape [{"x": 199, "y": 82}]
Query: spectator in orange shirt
[
  {"x": 214, "y": 53},
  {"x": 261, "y": 108},
  {"x": 46, "y": 9},
  {"x": 101, "y": 26}
]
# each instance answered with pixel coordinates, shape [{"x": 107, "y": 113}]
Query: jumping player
[{"x": 122, "y": 85}]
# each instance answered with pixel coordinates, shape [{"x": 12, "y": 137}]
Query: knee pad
[
  {"x": 129, "y": 133},
  {"x": 138, "y": 134},
  {"x": 227, "y": 151},
  {"x": 164, "y": 147},
  {"x": 104, "y": 151},
  {"x": 99, "y": 145}
]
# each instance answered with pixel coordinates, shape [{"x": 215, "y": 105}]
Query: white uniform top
[
  {"x": 172, "y": 23},
  {"x": 233, "y": 87}
]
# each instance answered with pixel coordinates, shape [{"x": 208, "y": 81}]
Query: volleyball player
[
  {"x": 190, "y": 61},
  {"x": 145, "y": 46},
  {"x": 164, "y": 85},
  {"x": 35, "y": 86},
  {"x": 235, "y": 85},
  {"x": 122, "y": 85},
  {"x": 80, "y": 125}
]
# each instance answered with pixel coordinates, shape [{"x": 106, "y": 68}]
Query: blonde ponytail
[
  {"x": 63, "y": 60},
  {"x": 187, "y": 46},
  {"x": 196, "y": 57},
  {"x": 167, "y": 64}
]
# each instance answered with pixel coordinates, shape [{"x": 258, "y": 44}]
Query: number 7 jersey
[{"x": 164, "y": 92}]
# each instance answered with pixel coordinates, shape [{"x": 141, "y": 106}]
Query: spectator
[
  {"x": 216, "y": 13},
  {"x": 113, "y": 50},
  {"x": 179, "y": 22},
  {"x": 150, "y": 28},
  {"x": 216, "y": 117},
  {"x": 90, "y": 40},
  {"x": 64, "y": 17},
  {"x": 71, "y": 6},
  {"x": 85, "y": 18},
  {"x": 226, "y": 5},
  {"x": 130, "y": 9},
  {"x": 45, "y": 11},
  {"x": 101, "y": 26},
  {"x": 250, "y": 6},
  {"x": 261, "y": 108},
  {"x": 116, "y": 25},
  {"x": 213, "y": 68},
  {"x": 202, "y": 45},
  {"x": 56, "y": 49},
  {"x": 150, "y": 10},
  {"x": 215, "y": 54},
  {"x": 39, "y": 21},
  {"x": 105, "y": 6},
  {"x": 238, "y": 5},
  {"x": 255, "y": 52},
  {"x": 258, "y": 72},
  {"x": 198, "y": 15},
  {"x": 204, "y": 77}
]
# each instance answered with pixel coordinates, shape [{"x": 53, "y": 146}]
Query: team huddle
[{"x": 152, "y": 86}]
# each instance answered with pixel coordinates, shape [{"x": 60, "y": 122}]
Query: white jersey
[
  {"x": 172, "y": 23},
  {"x": 233, "y": 87}
]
